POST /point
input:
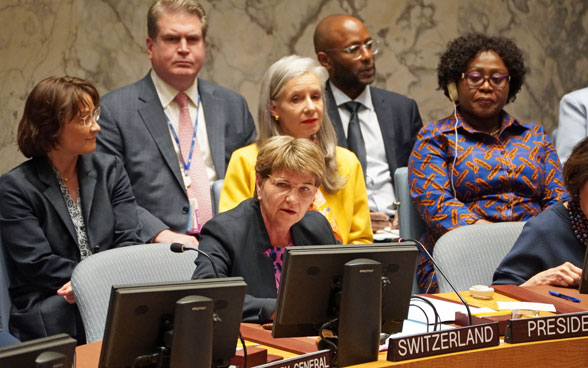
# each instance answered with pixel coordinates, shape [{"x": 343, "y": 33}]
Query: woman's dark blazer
[
  {"x": 237, "y": 239},
  {"x": 39, "y": 238}
]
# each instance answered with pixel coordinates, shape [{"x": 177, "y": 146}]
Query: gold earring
[{"x": 277, "y": 117}]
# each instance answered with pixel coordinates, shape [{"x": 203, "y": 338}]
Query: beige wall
[{"x": 104, "y": 41}]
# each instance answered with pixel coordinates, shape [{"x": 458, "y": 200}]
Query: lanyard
[{"x": 175, "y": 135}]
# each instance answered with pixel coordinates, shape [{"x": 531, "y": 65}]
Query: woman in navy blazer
[
  {"x": 59, "y": 207},
  {"x": 249, "y": 240}
]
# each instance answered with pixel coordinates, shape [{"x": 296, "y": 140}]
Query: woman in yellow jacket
[{"x": 292, "y": 103}]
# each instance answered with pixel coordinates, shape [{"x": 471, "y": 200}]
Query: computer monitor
[
  {"x": 140, "y": 322},
  {"x": 583, "y": 287},
  {"x": 312, "y": 291},
  {"x": 52, "y": 351}
]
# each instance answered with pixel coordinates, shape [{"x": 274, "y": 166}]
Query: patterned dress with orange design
[{"x": 511, "y": 176}]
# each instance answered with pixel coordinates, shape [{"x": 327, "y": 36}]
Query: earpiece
[
  {"x": 453, "y": 96},
  {"x": 452, "y": 91}
]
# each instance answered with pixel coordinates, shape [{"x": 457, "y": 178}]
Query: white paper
[
  {"x": 386, "y": 234},
  {"x": 445, "y": 309},
  {"x": 526, "y": 305}
]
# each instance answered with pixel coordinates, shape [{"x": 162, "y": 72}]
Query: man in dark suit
[
  {"x": 142, "y": 124},
  {"x": 365, "y": 116}
]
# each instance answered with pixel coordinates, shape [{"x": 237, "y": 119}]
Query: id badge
[{"x": 194, "y": 223}]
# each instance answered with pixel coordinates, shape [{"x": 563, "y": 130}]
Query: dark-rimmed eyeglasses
[
  {"x": 355, "y": 50},
  {"x": 89, "y": 119},
  {"x": 477, "y": 79}
]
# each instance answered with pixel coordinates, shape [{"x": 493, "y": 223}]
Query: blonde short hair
[{"x": 286, "y": 153}]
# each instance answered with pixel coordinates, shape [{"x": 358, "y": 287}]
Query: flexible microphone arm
[
  {"x": 445, "y": 277},
  {"x": 181, "y": 248}
]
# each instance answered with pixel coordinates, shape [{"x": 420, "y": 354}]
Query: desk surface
[{"x": 571, "y": 352}]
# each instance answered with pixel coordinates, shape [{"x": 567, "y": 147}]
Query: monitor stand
[
  {"x": 358, "y": 332},
  {"x": 186, "y": 341},
  {"x": 192, "y": 335}
]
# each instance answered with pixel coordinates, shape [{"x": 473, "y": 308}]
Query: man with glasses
[
  {"x": 365, "y": 116},
  {"x": 174, "y": 132}
]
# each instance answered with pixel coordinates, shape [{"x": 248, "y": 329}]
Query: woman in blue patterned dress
[{"x": 480, "y": 164}]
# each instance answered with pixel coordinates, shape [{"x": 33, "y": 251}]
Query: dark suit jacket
[
  {"x": 40, "y": 241},
  {"x": 237, "y": 239},
  {"x": 399, "y": 121},
  {"x": 135, "y": 129}
]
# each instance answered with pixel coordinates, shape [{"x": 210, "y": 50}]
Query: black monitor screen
[
  {"x": 583, "y": 287},
  {"x": 136, "y": 314},
  {"x": 25, "y": 354},
  {"x": 311, "y": 273}
]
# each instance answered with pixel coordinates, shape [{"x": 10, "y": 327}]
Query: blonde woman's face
[
  {"x": 299, "y": 106},
  {"x": 285, "y": 197}
]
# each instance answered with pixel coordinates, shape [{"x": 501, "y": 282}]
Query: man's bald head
[
  {"x": 344, "y": 47},
  {"x": 331, "y": 29}
]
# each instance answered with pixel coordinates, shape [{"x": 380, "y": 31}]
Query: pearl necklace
[{"x": 578, "y": 221}]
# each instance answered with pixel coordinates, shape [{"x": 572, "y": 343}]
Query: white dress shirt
[
  {"x": 573, "y": 122},
  {"x": 378, "y": 180},
  {"x": 167, "y": 94}
]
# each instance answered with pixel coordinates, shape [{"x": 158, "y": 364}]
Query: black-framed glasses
[
  {"x": 89, "y": 119},
  {"x": 355, "y": 50},
  {"x": 477, "y": 79}
]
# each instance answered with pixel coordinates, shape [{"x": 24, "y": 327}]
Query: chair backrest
[
  {"x": 215, "y": 191},
  {"x": 469, "y": 255},
  {"x": 410, "y": 224},
  {"x": 93, "y": 278}
]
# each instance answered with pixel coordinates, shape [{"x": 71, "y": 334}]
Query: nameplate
[
  {"x": 546, "y": 328},
  {"x": 319, "y": 359},
  {"x": 443, "y": 342}
]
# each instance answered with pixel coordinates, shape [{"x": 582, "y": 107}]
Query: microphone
[
  {"x": 181, "y": 248},
  {"x": 445, "y": 277}
]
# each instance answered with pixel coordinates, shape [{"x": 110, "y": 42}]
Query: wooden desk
[
  {"x": 88, "y": 356},
  {"x": 553, "y": 353}
]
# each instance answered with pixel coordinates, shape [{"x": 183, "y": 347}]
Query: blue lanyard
[{"x": 175, "y": 135}]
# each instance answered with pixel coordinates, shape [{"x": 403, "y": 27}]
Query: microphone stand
[{"x": 445, "y": 277}]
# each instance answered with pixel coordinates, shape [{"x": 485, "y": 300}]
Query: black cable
[
  {"x": 427, "y": 301},
  {"x": 181, "y": 248},
  {"x": 445, "y": 277},
  {"x": 244, "y": 349},
  {"x": 425, "y": 313}
]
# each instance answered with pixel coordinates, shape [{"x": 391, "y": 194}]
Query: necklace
[
  {"x": 578, "y": 221},
  {"x": 495, "y": 132},
  {"x": 62, "y": 177}
]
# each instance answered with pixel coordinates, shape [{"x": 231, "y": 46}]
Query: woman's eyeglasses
[
  {"x": 284, "y": 187},
  {"x": 89, "y": 119},
  {"x": 477, "y": 79}
]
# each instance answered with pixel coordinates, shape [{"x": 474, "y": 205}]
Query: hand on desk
[
  {"x": 380, "y": 221},
  {"x": 168, "y": 236},
  {"x": 563, "y": 275}
]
